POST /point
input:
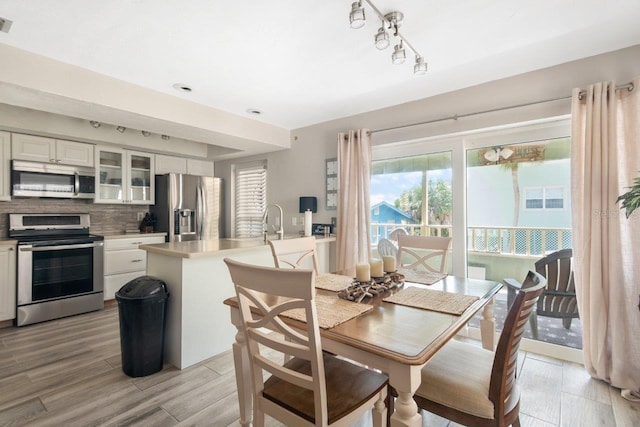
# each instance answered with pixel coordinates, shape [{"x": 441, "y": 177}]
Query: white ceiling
[{"x": 299, "y": 62}]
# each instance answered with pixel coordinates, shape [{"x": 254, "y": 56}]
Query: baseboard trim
[{"x": 6, "y": 323}]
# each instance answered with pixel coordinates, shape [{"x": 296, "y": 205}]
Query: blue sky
[{"x": 388, "y": 187}]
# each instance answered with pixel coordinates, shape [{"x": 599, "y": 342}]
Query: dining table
[{"x": 393, "y": 338}]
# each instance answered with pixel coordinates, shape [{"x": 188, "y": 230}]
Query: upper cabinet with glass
[{"x": 124, "y": 176}]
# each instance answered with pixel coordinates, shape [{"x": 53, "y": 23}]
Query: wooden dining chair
[
  {"x": 313, "y": 388},
  {"x": 423, "y": 252},
  {"x": 558, "y": 300},
  {"x": 295, "y": 253},
  {"x": 476, "y": 387}
]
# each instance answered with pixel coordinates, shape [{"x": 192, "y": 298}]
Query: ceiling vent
[{"x": 5, "y": 24}]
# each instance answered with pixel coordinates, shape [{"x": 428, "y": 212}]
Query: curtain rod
[{"x": 629, "y": 86}]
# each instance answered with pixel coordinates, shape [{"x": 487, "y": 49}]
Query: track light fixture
[
  {"x": 356, "y": 17},
  {"x": 420, "y": 66},
  {"x": 382, "y": 38},
  {"x": 399, "y": 55},
  {"x": 121, "y": 129},
  {"x": 145, "y": 133},
  {"x": 391, "y": 21},
  {"x": 165, "y": 137},
  {"x": 95, "y": 124}
]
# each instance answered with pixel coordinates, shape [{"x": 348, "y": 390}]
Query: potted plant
[{"x": 631, "y": 199}]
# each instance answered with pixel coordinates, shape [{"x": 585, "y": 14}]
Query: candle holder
[{"x": 359, "y": 290}]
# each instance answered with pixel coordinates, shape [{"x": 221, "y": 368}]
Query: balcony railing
[
  {"x": 514, "y": 241},
  {"x": 381, "y": 230},
  {"x": 524, "y": 241}
]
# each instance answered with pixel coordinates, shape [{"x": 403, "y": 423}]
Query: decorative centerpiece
[{"x": 364, "y": 285}]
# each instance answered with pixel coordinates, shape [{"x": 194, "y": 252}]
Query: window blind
[{"x": 250, "y": 198}]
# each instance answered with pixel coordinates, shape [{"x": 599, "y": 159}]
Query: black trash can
[{"x": 142, "y": 304}]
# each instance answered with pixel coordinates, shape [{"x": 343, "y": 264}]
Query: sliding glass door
[{"x": 519, "y": 211}]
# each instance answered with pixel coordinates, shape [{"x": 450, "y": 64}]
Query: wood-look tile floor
[{"x": 67, "y": 372}]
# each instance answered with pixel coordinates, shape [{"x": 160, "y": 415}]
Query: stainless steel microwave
[{"x": 32, "y": 179}]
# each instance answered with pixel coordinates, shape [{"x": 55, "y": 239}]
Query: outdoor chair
[
  {"x": 393, "y": 236},
  {"x": 313, "y": 387},
  {"x": 559, "y": 298},
  {"x": 387, "y": 248}
]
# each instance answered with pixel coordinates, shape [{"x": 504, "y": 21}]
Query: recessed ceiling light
[
  {"x": 182, "y": 87},
  {"x": 254, "y": 111}
]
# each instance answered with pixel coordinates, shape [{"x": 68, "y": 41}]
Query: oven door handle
[{"x": 60, "y": 247}]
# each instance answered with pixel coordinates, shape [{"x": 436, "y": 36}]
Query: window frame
[
  {"x": 544, "y": 198},
  {"x": 253, "y": 217}
]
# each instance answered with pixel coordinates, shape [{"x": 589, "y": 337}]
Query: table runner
[
  {"x": 333, "y": 282},
  {"x": 428, "y": 299},
  {"x": 423, "y": 277},
  {"x": 331, "y": 310}
]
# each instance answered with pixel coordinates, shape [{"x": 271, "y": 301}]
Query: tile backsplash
[{"x": 104, "y": 218}]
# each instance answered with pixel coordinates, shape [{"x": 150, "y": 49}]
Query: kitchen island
[{"x": 198, "y": 325}]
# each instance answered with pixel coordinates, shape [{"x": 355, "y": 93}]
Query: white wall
[{"x": 299, "y": 171}]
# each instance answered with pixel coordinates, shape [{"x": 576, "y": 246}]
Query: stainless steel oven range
[{"x": 60, "y": 266}]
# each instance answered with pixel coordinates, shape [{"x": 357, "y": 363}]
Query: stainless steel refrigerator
[{"x": 188, "y": 207}]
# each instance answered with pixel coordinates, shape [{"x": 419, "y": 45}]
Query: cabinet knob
[
  {"x": 10, "y": 249},
  {"x": 52, "y": 160},
  {"x": 136, "y": 260}
]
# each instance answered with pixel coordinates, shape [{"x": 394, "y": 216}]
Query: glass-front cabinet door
[
  {"x": 140, "y": 178},
  {"x": 110, "y": 165},
  {"x": 124, "y": 176}
]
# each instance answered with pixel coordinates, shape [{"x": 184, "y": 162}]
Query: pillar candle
[
  {"x": 362, "y": 273},
  {"x": 389, "y": 263},
  {"x": 376, "y": 268}
]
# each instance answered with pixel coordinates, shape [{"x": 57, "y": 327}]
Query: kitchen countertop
[
  {"x": 204, "y": 248},
  {"x": 8, "y": 242}
]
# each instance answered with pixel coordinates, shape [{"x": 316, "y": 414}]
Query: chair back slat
[
  {"x": 295, "y": 253},
  {"x": 264, "y": 293},
  {"x": 503, "y": 375},
  {"x": 420, "y": 252}
]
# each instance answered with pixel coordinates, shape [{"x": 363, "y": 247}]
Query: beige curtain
[
  {"x": 354, "y": 221},
  {"x": 605, "y": 157}
]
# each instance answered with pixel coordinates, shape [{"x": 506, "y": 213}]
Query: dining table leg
[
  {"x": 488, "y": 326},
  {"x": 243, "y": 376},
  {"x": 405, "y": 379}
]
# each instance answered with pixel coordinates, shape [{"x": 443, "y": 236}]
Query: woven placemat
[
  {"x": 423, "y": 277},
  {"x": 331, "y": 310},
  {"x": 333, "y": 282},
  {"x": 428, "y": 299}
]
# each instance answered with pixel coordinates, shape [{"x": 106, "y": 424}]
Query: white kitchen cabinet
[
  {"x": 199, "y": 167},
  {"x": 49, "y": 150},
  {"x": 123, "y": 261},
  {"x": 124, "y": 176},
  {"x": 5, "y": 166},
  {"x": 170, "y": 164},
  {"x": 7, "y": 281}
]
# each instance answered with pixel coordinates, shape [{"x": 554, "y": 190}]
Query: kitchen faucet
[{"x": 265, "y": 226}]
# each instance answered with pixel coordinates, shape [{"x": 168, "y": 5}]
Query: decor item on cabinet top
[{"x": 308, "y": 206}]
